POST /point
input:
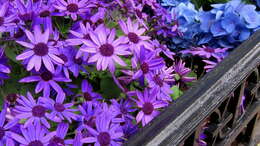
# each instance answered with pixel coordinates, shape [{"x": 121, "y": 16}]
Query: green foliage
[
  {"x": 108, "y": 88},
  {"x": 176, "y": 92}
]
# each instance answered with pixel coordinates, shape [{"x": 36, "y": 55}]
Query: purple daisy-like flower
[
  {"x": 123, "y": 109},
  {"x": 5, "y": 138},
  {"x": 209, "y": 65},
  {"x": 181, "y": 73},
  {"x": 46, "y": 80},
  {"x": 149, "y": 106},
  {"x": 39, "y": 50},
  {"x": 88, "y": 115},
  {"x": 105, "y": 48},
  {"x": 73, "y": 7},
  {"x": 61, "y": 132},
  {"x": 4, "y": 69},
  {"x": 59, "y": 110},
  {"x": 26, "y": 11},
  {"x": 162, "y": 49},
  {"x": 149, "y": 63},
  {"x": 6, "y": 21},
  {"x": 105, "y": 133},
  {"x": 33, "y": 135},
  {"x": 207, "y": 52},
  {"x": 135, "y": 36},
  {"x": 87, "y": 92},
  {"x": 32, "y": 111},
  {"x": 158, "y": 83}
]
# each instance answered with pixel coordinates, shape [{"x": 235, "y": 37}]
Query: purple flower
[
  {"x": 26, "y": 11},
  {"x": 73, "y": 7},
  {"x": 39, "y": 50},
  {"x": 162, "y": 48},
  {"x": 158, "y": 83},
  {"x": 61, "y": 132},
  {"x": 105, "y": 133},
  {"x": 207, "y": 52},
  {"x": 149, "y": 106},
  {"x": 135, "y": 36},
  {"x": 77, "y": 139},
  {"x": 181, "y": 73},
  {"x": 88, "y": 115},
  {"x": 149, "y": 62},
  {"x": 123, "y": 108},
  {"x": 88, "y": 93},
  {"x": 46, "y": 80},
  {"x": 5, "y": 138},
  {"x": 33, "y": 135},
  {"x": 242, "y": 104},
  {"x": 105, "y": 48},
  {"x": 6, "y": 21},
  {"x": 59, "y": 110},
  {"x": 209, "y": 65},
  {"x": 4, "y": 69},
  {"x": 32, "y": 111}
]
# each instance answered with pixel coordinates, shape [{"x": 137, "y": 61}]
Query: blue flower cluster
[{"x": 226, "y": 25}]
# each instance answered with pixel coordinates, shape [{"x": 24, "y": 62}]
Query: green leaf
[
  {"x": 176, "y": 92},
  {"x": 109, "y": 89}
]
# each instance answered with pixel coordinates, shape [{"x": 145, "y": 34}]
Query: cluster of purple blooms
[
  {"x": 54, "y": 112},
  {"x": 126, "y": 42}
]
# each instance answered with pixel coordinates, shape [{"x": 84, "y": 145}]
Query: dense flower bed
[{"x": 76, "y": 72}]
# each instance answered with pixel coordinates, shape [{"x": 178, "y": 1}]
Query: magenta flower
[
  {"x": 31, "y": 110},
  {"x": 105, "y": 133},
  {"x": 105, "y": 48},
  {"x": 209, "y": 65},
  {"x": 33, "y": 135},
  {"x": 181, "y": 73},
  {"x": 162, "y": 49},
  {"x": 123, "y": 109},
  {"x": 46, "y": 80},
  {"x": 73, "y": 7},
  {"x": 135, "y": 36},
  {"x": 149, "y": 106},
  {"x": 39, "y": 50},
  {"x": 59, "y": 110}
]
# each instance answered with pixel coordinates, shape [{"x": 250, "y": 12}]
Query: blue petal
[
  {"x": 206, "y": 19},
  {"x": 217, "y": 30}
]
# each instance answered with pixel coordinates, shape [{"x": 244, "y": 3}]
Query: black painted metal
[{"x": 213, "y": 104}]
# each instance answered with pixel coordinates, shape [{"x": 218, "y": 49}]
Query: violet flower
[
  {"x": 33, "y": 135},
  {"x": 162, "y": 49},
  {"x": 31, "y": 110},
  {"x": 39, "y": 51},
  {"x": 4, "y": 69},
  {"x": 59, "y": 110},
  {"x": 181, "y": 73},
  {"x": 105, "y": 133},
  {"x": 61, "y": 132},
  {"x": 6, "y": 21},
  {"x": 123, "y": 109},
  {"x": 148, "y": 105},
  {"x": 5, "y": 138},
  {"x": 105, "y": 48},
  {"x": 134, "y": 36},
  {"x": 46, "y": 80},
  {"x": 88, "y": 93},
  {"x": 73, "y": 7}
]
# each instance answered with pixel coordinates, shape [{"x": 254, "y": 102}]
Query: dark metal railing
[{"x": 213, "y": 106}]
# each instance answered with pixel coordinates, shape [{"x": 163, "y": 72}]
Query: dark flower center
[
  {"x": 19, "y": 33},
  {"x": 72, "y": 8},
  {"x": 64, "y": 58},
  {"x": 56, "y": 141},
  {"x": 35, "y": 143},
  {"x": 35, "y": 1},
  {"x": 90, "y": 122},
  {"x": 2, "y": 132},
  {"x": 147, "y": 108},
  {"x": 87, "y": 96},
  {"x": 27, "y": 17},
  {"x": 145, "y": 67},
  {"x": 45, "y": 13},
  {"x": 78, "y": 61},
  {"x": 133, "y": 37},
  {"x": 11, "y": 97},
  {"x": 106, "y": 50},
  {"x": 87, "y": 37},
  {"x": 210, "y": 50},
  {"x": 123, "y": 110},
  {"x": 41, "y": 49},
  {"x": 59, "y": 107},
  {"x": 46, "y": 76},
  {"x": 2, "y": 20},
  {"x": 104, "y": 138},
  {"x": 158, "y": 80},
  {"x": 38, "y": 111}
]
